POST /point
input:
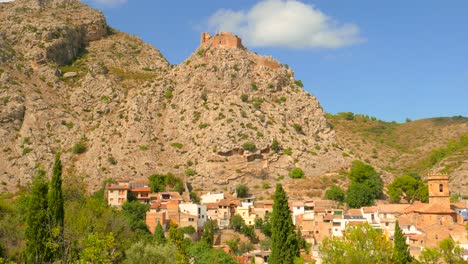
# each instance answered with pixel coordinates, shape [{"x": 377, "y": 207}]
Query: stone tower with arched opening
[{"x": 438, "y": 189}]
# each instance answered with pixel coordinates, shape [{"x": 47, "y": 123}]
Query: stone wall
[{"x": 221, "y": 39}]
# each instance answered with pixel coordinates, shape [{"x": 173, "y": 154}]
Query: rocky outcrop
[{"x": 71, "y": 81}]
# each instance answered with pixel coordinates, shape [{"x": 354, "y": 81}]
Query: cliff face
[{"x": 115, "y": 107}]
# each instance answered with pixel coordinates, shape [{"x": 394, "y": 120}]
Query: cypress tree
[
  {"x": 284, "y": 244},
  {"x": 37, "y": 220},
  {"x": 159, "y": 234},
  {"x": 56, "y": 209},
  {"x": 401, "y": 253}
]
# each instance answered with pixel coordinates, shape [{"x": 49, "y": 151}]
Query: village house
[
  {"x": 125, "y": 189},
  {"x": 198, "y": 210},
  {"x": 247, "y": 212}
]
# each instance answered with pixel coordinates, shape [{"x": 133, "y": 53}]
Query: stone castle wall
[{"x": 221, "y": 39}]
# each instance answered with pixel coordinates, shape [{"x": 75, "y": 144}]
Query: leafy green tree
[
  {"x": 233, "y": 245},
  {"x": 335, "y": 193},
  {"x": 135, "y": 212},
  {"x": 401, "y": 253},
  {"x": 56, "y": 209},
  {"x": 451, "y": 251},
  {"x": 408, "y": 188},
  {"x": 236, "y": 222},
  {"x": 37, "y": 220},
  {"x": 366, "y": 185},
  {"x": 284, "y": 245},
  {"x": 358, "y": 195},
  {"x": 242, "y": 190},
  {"x": 157, "y": 182},
  {"x": 208, "y": 232},
  {"x": 154, "y": 253},
  {"x": 159, "y": 234},
  {"x": 360, "y": 244},
  {"x": 430, "y": 256},
  {"x": 248, "y": 231},
  {"x": 177, "y": 238},
  {"x": 100, "y": 249},
  {"x": 202, "y": 253}
]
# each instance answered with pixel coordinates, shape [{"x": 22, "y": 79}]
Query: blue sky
[{"x": 389, "y": 59}]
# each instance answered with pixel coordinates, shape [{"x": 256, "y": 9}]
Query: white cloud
[
  {"x": 4, "y": 1},
  {"x": 285, "y": 23},
  {"x": 108, "y": 3}
]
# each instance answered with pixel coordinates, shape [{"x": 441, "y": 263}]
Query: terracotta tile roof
[
  {"x": 404, "y": 220},
  {"x": 392, "y": 208},
  {"x": 228, "y": 202},
  {"x": 211, "y": 206},
  {"x": 435, "y": 208},
  {"x": 428, "y": 208},
  {"x": 117, "y": 187},
  {"x": 414, "y": 207},
  {"x": 141, "y": 189},
  {"x": 296, "y": 203},
  {"x": 354, "y": 212},
  {"x": 369, "y": 209}
]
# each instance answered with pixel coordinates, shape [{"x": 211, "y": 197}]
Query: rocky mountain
[{"x": 114, "y": 106}]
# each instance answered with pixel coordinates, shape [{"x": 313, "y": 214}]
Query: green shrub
[
  {"x": 244, "y": 98},
  {"x": 79, "y": 148},
  {"x": 203, "y": 125},
  {"x": 288, "y": 151},
  {"x": 190, "y": 172},
  {"x": 275, "y": 146},
  {"x": 298, "y": 128},
  {"x": 144, "y": 147},
  {"x": 250, "y": 146},
  {"x": 242, "y": 190},
  {"x": 296, "y": 173},
  {"x": 254, "y": 86},
  {"x": 299, "y": 83},
  {"x": 168, "y": 95},
  {"x": 200, "y": 52},
  {"x": 177, "y": 145}
]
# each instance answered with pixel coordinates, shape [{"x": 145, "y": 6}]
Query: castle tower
[{"x": 438, "y": 189}]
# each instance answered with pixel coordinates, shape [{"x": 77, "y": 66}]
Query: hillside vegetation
[{"x": 422, "y": 146}]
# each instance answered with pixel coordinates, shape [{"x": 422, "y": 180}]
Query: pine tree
[
  {"x": 284, "y": 245},
  {"x": 159, "y": 234},
  {"x": 56, "y": 209},
  {"x": 37, "y": 219},
  {"x": 401, "y": 253}
]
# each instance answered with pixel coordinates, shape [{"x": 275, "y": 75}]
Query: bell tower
[{"x": 438, "y": 189}]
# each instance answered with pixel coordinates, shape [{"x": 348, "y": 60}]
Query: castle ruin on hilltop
[{"x": 221, "y": 39}]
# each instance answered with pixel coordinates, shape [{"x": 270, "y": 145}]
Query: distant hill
[{"x": 434, "y": 144}]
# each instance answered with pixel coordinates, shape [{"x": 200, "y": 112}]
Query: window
[
  {"x": 199, "y": 210},
  {"x": 121, "y": 192},
  {"x": 111, "y": 199},
  {"x": 441, "y": 187},
  {"x": 191, "y": 219}
]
